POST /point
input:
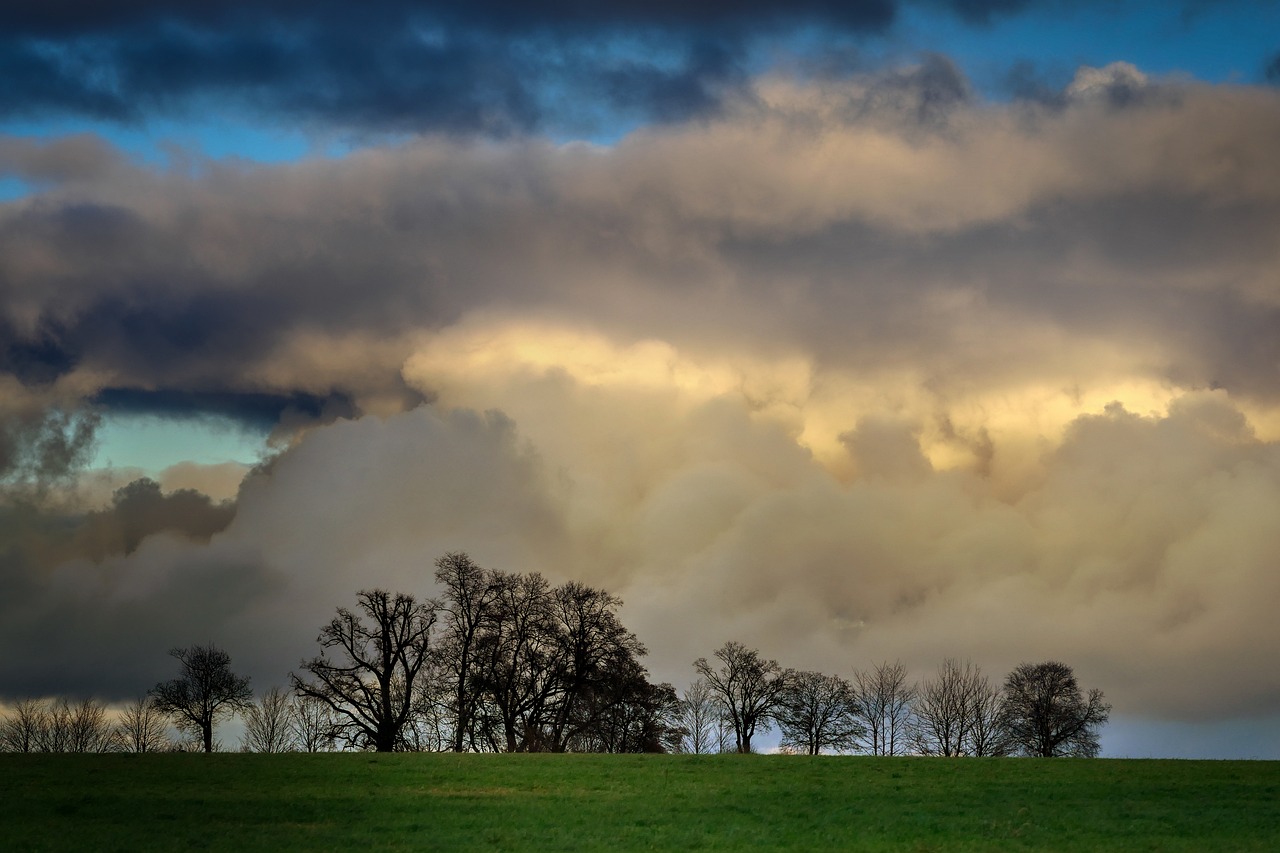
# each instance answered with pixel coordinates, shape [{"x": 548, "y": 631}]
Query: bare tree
[
  {"x": 89, "y": 728},
  {"x": 371, "y": 688},
  {"x": 699, "y": 716},
  {"x": 205, "y": 691},
  {"x": 60, "y": 726},
  {"x": 142, "y": 728},
  {"x": 1047, "y": 715},
  {"x": 884, "y": 706},
  {"x": 748, "y": 688},
  {"x": 596, "y": 671},
  {"x": 20, "y": 730},
  {"x": 267, "y": 724},
  {"x": 818, "y": 712},
  {"x": 990, "y": 735},
  {"x": 470, "y": 594},
  {"x": 945, "y": 710},
  {"x": 313, "y": 724},
  {"x": 53, "y": 731},
  {"x": 517, "y": 669}
]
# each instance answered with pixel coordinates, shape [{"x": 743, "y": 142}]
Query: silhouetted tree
[
  {"x": 370, "y": 688},
  {"x": 748, "y": 688},
  {"x": 597, "y": 677},
  {"x": 20, "y": 730},
  {"x": 1046, "y": 714},
  {"x": 469, "y": 595},
  {"x": 143, "y": 728},
  {"x": 627, "y": 715},
  {"x": 818, "y": 712},
  {"x": 205, "y": 691},
  {"x": 884, "y": 706},
  {"x": 88, "y": 729},
  {"x": 313, "y": 724},
  {"x": 945, "y": 710},
  {"x": 989, "y": 735},
  {"x": 267, "y": 723}
]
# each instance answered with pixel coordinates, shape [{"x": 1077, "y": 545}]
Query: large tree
[
  {"x": 205, "y": 691},
  {"x": 748, "y": 687},
  {"x": 818, "y": 712},
  {"x": 598, "y": 676},
  {"x": 469, "y": 596},
  {"x": 1047, "y": 715},
  {"x": 370, "y": 685}
]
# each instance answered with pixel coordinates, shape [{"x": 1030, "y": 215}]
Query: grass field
[{"x": 580, "y": 802}]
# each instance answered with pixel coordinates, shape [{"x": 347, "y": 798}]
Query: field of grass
[{"x": 580, "y": 802}]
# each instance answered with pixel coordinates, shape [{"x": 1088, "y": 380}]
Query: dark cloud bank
[{"x": 397, "y": 65}]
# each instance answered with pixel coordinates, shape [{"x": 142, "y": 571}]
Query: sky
[{"x": 858, "y": 331}]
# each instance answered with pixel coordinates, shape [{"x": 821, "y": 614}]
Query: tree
[
  {"x": 699, "y": 717},
  {"x": 267, "y": 724},
  {"x": 142, "y": 728},
  {"x": 989, "y": 735},
  {"x": 1046, "y": 714},
  {"x": 205, "y": 691},
  {"x": 469, "y": 596},
  {"x": 312, "y": 724},
  {"x": 597, "y": 676},
  {"x": 371, "y": 688},
  {"x": 818, "y": 712},
  {"x": 20, "y": 731},
  {"x": 884, "y": 706},
  {"x": 748, "y": 688},
  {"x": 945, "y": 710},
  {"x": 88, "y": 729}
]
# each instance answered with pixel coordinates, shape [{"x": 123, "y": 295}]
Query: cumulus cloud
[{"x": 856, "y": 369}]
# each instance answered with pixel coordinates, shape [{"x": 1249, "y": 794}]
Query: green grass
[{"x": 579, "y": 802}]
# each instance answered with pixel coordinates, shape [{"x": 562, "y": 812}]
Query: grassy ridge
[{"x": 580, "y": 802}]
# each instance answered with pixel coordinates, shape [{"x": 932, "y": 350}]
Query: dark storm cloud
[
  {"x": 387, "y": 65},
  {"x": 495, "y": 67},
  {"x": 35, "y": 359},
  {"x": 259, "y": 410}
]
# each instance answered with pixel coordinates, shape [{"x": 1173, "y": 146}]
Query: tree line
[{"x": 504, "y": 662}]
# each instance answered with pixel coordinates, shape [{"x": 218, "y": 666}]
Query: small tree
[
  {"x": 21, "y": 728},
  {"x": 989, "y": 735},
  {"x": 818, "y": 712},
  {"x": 371, "y": 689},
  {"x": 205, "y": 691},
  {"x": 313, "y": 724},
  {"x": 698, "y": 716},
  {"x": 142, "y": 728},
  {"x": 945, "y": 710},
  {"x": 884, "y": 706},
  {"x": 748, "y": 688},
  {"x": 1046, "y": 714},
  {"x": 89, "y": 729},
  {"x": 267, "y": 724}
]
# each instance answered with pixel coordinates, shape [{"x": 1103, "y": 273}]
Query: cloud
[
  {"x": 397, "y": 66},
  {"x": 857, "y": 368}
]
